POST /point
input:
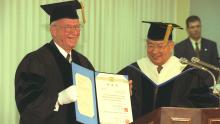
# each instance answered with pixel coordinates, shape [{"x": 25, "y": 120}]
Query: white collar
[
  {"x": 62, "y": 51},
  {"x": 194, "y": 41},
  {"x": 170, "y": 69}
]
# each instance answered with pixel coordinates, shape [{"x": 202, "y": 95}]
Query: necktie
[
  {"x": 197, "y": 50},
  {"x": 159, "y": 68},
  {"x": 68, "y": 57}
]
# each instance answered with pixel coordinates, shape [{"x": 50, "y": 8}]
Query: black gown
[
  {"x": 180, "y": 91},
  {"x": 40, "y": 76}
]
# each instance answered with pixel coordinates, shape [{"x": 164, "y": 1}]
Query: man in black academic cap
[
  {"x": 43, "y": 83},
  {"x": 158, "y": 80}
]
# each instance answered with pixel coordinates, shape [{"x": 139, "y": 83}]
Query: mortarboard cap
[
  {"x": 62, "y": 10},
  {"x": 161, "y": 31}
]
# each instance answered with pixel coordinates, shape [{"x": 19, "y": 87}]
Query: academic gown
[
  {"x": 40, "y": 76},
  {"x": 179, "y": 89}
]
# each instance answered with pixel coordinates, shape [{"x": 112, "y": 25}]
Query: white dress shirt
[
  {"x": 193, "y": 42},
  {"x": 63, "y": 52}
]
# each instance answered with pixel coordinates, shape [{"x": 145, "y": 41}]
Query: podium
[{"x": 176, "y": 115}]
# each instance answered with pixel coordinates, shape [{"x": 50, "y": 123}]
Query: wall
[
  {"x": 182, "y": 12},
  {"x": 208, "y": 10},
  {"x": 112, "y": 37}
]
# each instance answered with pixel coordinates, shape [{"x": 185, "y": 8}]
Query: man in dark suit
[{"x": 197, "y": 46}]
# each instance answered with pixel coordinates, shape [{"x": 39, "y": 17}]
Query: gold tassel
[
  {"x": 83, "y": 12},
  {"x": 168, "y": 31}
]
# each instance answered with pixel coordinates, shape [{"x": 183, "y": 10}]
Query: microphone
[
  {"x": 197, "y": 60},
  {"x": 186, "y": 61}
]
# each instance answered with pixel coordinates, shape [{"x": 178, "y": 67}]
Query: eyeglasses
[
  {"x": 160, "y": 47},
  {"x": 68, "y": 28}
]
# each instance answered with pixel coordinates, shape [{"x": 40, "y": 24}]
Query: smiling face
[
  {"x": 158, "y": 52},
  {"x": 65, "y": 33}
]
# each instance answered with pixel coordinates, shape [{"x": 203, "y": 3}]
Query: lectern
[{"x": 176, "y": 115}]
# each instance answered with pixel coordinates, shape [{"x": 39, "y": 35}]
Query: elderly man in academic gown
[
  {"x": 160, "y": 79},
  {"x": 43, "y": 83}
]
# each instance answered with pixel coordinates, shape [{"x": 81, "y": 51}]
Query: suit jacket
[{"x": 208, "y": 53}]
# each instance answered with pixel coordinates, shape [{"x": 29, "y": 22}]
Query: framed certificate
[{"x": 101, "y": 97}]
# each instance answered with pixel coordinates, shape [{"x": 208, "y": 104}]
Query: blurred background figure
[{"x": 197, "y": 46}]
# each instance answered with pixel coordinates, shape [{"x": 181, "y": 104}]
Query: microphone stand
[
  {"x": 218, "y": 80},
  {"x": 215, "y": 90},
  {"x": 194, "y": 64},
  {"x": 198, "y": 61}
]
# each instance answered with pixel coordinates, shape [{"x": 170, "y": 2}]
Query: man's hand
[{"x": 67, "y": 96}]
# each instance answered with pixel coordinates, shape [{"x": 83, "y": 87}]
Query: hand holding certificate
[{"x": 102, "y": 95}]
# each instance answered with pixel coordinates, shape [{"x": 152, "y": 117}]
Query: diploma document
[{"x": 102, "y": 98}]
